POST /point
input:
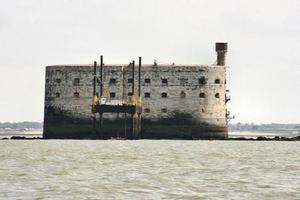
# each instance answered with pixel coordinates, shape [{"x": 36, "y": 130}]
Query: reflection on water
[{"x": 149, "y": 169}]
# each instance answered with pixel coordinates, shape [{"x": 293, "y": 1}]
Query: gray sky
[{"x": 263, "y": 37}]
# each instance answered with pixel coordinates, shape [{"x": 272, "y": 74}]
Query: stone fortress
[{"x": 178, "y": 101}]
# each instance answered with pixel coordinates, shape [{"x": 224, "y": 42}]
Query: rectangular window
[
  {"x": 147, "y": 95},
  {"x": 76, "y": 81},
  {"x": 112, "y": 81},
  {"x": 202, "y": 81},
  {"x": 58, "y": 80},
  {"x": 164, "y": 110},
  {"x": 129, "y": 93},
  {"x": 112, "y": 95},
  {"x": 164, "y": 81},
  {"x": 57, "y": 94},
  {"x": 182, "y": 94},
  {"x": 147, "y": 110},
  {"x": 130, "y": 80},
  {"x": 76, "y": 94},
  {"x": 148, "y": 80}
]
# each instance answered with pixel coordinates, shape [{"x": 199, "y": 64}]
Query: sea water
[{"x": 149, "y": 169}]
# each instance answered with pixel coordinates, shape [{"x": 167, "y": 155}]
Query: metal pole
[
  {"x": 132, "y": 77},
  {"x": 132, "y": 115},
  {"x": 101, "y": 76},
  {"x": 125, "y": 124},
  {"x": 101, "y": 93},
  {"x": 94, "y": 94},
  {"x": 95, "y": 70},
  {"x": 140, "y": 66},
  {"x": 139, "y": 93}
]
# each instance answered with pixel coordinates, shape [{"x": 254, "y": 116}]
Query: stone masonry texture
[{"x": 179, "y": 101}]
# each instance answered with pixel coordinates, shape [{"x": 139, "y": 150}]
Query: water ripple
[{"x": 148, "y": 169}]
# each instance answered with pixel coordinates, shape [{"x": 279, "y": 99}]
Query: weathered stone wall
[{"x": 69, "y": 92}]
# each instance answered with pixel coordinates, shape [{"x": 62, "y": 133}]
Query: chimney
[{"x": 221, "y": 49}]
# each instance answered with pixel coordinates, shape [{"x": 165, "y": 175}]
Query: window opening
[
  {"x": 164, "y": 110},
  {"x": 202, "y": 95},
  {"x": 76, "y": 81},
  {"x": 147, "y": 110},
  {"x": 182, "y": 94},
  {"x": 147, "y": 80},
  {"x": 164, "y": 95},
  {"x": 112, "y": 95},
  {"x": 112, "y": 81},
  {"x": 202, "y": 81},
  {"x": 76, "y": 94}
]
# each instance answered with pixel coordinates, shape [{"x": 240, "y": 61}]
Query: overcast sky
[{"x": 263, "y": 37}]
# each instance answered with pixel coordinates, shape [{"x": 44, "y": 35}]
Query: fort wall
[{"x": 181, "y": 101}]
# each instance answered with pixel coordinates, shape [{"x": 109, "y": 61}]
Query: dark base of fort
[{"x": 150, "y": 130}]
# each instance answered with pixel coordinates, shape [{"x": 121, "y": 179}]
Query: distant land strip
[{"x": 260, "y": 138}]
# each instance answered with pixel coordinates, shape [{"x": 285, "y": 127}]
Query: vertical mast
[
  {"x": 101, "y": 76},
  {"x": 94, "y": 95},
  {"x": 101, "y": 91},
  {"x": 133, "y": 78},
  {"x": 139, "y": 80},
  {"x": 95, "y": 80}
]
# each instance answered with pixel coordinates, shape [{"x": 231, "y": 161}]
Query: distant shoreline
[
  {"x": 260, "y": 138},
  {"x": 37, "y": 134}
]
